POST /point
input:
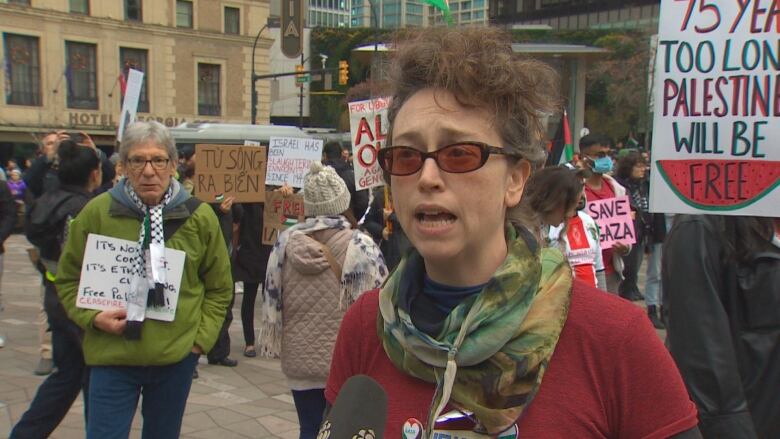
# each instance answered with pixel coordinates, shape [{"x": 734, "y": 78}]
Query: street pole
[
  {"x": 300, "y": 100},
  {"x": 252, "y": 78}
]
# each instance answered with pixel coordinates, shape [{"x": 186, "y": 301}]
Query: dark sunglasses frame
[{"x": 385, "y": 155}]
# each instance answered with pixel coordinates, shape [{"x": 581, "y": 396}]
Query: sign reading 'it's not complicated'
[
  {"x": 230, "y": 171},
  {"x": 106, "y": 273}
]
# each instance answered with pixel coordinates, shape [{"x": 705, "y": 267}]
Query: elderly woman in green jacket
[{"x": 136, "y": 348}]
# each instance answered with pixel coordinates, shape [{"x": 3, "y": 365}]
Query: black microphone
[{"x": 360, "y": 411}]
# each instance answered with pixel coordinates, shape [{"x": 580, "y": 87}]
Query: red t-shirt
[
  {"x": 606, "y": 191},
  {"x": 609, "y": 377}
]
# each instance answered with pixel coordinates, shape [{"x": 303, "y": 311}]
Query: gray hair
[{"x": 139, "y": 133}]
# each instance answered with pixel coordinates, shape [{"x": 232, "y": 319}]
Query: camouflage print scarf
[{"x": 494, "y": 347}]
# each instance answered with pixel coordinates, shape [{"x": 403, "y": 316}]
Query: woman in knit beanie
[{"x": 316, "y": 270}]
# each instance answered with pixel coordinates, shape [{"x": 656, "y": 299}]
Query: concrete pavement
[{"x": 248, "y": 401}]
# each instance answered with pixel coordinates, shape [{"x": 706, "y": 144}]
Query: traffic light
[
  {"x": 343, "y": 72},
  {"x": 299, "y": 75}
]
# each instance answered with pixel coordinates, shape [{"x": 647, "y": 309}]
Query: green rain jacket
[{"x": 205, "y": 292}]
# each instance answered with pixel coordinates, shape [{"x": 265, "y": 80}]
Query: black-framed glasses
[
  {"x": 456, "y": 158},
  {"x": 138, "y": 163}
]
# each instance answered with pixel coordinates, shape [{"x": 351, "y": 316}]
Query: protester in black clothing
[
  {"x": 79, "y": 174},
  {"x": 721, "y": 280},
  {"x": 228, "y": 213},
  {"x": 631, "y": 173},
  {"x": 359, "y": 199},
  {"x": 249, "y": 264},
  {"x": 382, "y": 224}
]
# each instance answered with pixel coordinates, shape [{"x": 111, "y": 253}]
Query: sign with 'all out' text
[
  {"x": 106, "y": 273},
  {"x": 368, "y": 128},
  {"x": 717, "y": 108},
  {"x": 613, "y": 216}
]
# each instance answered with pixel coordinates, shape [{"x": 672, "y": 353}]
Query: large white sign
[
  {"x": 716, "y": 133},
  {"x": 368, "y": 128},
  {"x": 107, "y": 270},
  {"x": 289, "y": 159},
  {"x": 135, "y": 79}
]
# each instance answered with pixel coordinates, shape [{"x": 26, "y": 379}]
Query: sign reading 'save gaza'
[
  {"x": 716, "y": 134},
  {"x": 613, "y": 216},
  {"x": 368, "y": 128}
]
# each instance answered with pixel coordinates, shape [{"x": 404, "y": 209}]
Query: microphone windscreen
[{"x": 360, "y": 411}]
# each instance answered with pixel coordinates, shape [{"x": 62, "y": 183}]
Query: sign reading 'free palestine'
[{"x": 716, "y": 133}]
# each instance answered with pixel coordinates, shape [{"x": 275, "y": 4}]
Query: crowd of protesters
[{"x": 473, "y": 288}]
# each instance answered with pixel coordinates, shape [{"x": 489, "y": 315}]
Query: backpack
[{"x": 46, "y": 220}]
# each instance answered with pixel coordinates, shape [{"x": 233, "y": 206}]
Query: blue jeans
[
  {"x": 310, "y": 405},
  {"x": 653, "y": 282},
  {"x": 114, "y": 392}
]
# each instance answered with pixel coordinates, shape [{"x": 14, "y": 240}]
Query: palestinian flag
[
  {"x": 561, "y": 148},
  {"x": 444, "y": 7}
]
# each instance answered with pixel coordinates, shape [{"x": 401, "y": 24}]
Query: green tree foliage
[{"x": 616, "y": 95}]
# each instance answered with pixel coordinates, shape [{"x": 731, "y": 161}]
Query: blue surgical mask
[{"x": 602, "y": 165}]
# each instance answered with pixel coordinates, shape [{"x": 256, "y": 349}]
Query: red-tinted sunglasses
[{"x": 456, "y": 158}]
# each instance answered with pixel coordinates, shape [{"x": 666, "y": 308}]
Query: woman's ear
[{"x": 519, "y": 172}]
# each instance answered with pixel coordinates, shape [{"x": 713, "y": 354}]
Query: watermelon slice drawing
[{"x": 720, "y": 185}]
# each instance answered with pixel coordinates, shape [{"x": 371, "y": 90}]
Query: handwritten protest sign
[
  {"x": 107, "y": 270},
  {"x": 135, "y": 79},
  {"x": 368, "y": 127},
  {"x": 289, "y": 159},
  {"x": 280, "y": 213},
  {"x": 230, "y": 171},
  {"x": 613, "y": 216},
  {"x": 717, "y": 103}
]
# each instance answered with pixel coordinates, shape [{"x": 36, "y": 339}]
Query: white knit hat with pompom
[{"x": 324, "y": 192}]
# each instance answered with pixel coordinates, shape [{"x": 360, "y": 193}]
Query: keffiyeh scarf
[
  {"x": 363, "y": 270},
  {"x": 148, "y": 277},
  {"x": 494, "y": 347}
]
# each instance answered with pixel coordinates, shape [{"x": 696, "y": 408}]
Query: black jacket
[
  {"x": 251, "y": 257},
  {"x": 723, "y": 320},
  {"x": 359, "y": 199},
  {"x": 7, "y": 214}
]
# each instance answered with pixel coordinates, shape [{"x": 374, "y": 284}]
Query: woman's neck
[{"x": 471, "y": 267}]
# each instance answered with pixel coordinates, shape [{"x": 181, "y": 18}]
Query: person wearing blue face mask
[{"x": 600, "y": 185}]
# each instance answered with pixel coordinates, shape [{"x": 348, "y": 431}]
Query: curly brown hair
[{"x": 478, "y": 66}]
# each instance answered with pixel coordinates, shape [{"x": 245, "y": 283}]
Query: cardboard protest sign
[
  {"x": 289, "y": 159},
  {"x": 107, "y": 270},
  {"x": 716, "y": 100},
  {"x": 135, "y": 79},
  {"x": 368, "y": 128},
  {"x": 280, "y": 212},
  {"x": 230, "y": 171},
  {"x": 613, "y": 216}
]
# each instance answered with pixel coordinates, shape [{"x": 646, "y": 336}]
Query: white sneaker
[{"x": 2, "y": 341}]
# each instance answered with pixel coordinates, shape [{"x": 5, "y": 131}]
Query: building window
[
  {"x": 81, "y": 75},
  {"x": 79, "y": 6},
  {"x": 183, "y": 13},
  {"x": 19, "y": 2},
  {"x": 135, "y": 59},
  {"x": 232, "y": 21},
  {"x": 133, "y": 10},
  {"x": 22, "y": 70},
  {"x": 208, "y": 90}
]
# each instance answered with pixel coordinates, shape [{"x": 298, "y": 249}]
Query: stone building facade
[{"x": 64, "y": 63}]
